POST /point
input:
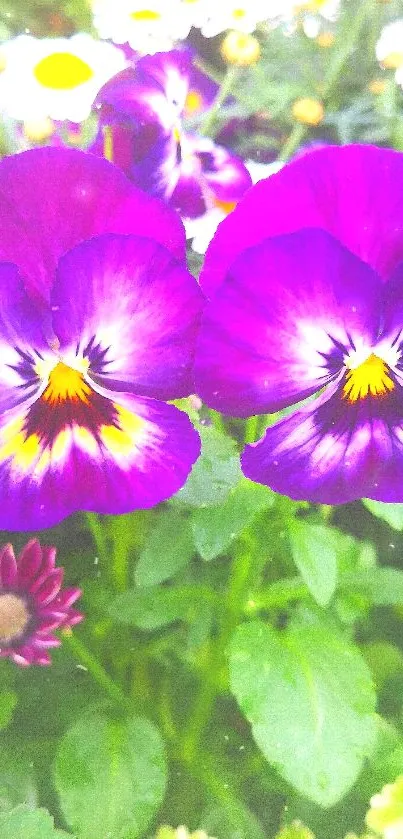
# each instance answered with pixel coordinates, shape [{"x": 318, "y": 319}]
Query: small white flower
[
  {"x": 148, "y": 26},
  {"x": 55, "y": 77},
  {"x": 389, "y": 48},
  {"x": 216, "y": 17}
]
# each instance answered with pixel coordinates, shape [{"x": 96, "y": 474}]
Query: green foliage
[
  {"x": 391, "y": 513},
  {"x": 216, "y": 472},
  {"x": 23, "y": 823},
  {"x": 110, "y": 775},
  {"x": 309, "y": 697},
  {"x": 314, "y": 550},
  {"x": 169, "y": 548}
]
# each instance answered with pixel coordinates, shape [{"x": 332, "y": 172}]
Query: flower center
[
  {"x": 193, "y": 102},
  {"x": 238, "y": 13},
  {"x": 66, "y": 384},
  {"x": 370, "y": 378},
  {"x": 145, "y": 14},
  {"x": 14, "y": 617},
  {"x": 62, "y": 71}
]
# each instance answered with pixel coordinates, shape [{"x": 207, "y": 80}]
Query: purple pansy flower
[
  {"x": 141, "y": 114},
  {"x": 98, "y": 320},
  {"x": 306, "y": 278},
  {"x": 32, "y": 604}
]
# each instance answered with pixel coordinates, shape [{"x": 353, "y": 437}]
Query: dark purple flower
[
  {"x": 32, "y": 604},
  {"x": 141, "y": 114},
  {"x": 98, "y": 321},
  {"x": 306, "y": 278}
]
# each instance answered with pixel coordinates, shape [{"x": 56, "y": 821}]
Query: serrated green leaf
[
  {"x": 314, "y": 550},
  {"x": 214, "y": 529},
  {"x": 154, "y": 606},
  {"x": 391, "y": 513},
  {"x": 110, "y": 776},
  {"x": 168, "y": 548},
  {"x": 214, "y": 474},
  {"x": 23, "y": 823},
  {"x": 310, "y": 700}
]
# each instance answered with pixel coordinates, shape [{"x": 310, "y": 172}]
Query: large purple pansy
[
  {"x": 300, "y": 315},
  {"x": 98, "y": 322},
  {"x": 142, "y": 110}
]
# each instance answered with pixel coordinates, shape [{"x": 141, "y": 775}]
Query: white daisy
[
  {"x": 216, "y": 17},
  {"x": 148, "y": 26},
  {"x": 55, "y": 77},
  {"x": 389, "y": 48}
]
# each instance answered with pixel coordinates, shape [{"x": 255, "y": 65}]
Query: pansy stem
[
  {"x": 252, "y": 429},
  {"x": 97, "y": 531},
  {"x": 238, "y": 583},
  {"x": 207, "y": 129},
  {"x": 87, "y": 660}
]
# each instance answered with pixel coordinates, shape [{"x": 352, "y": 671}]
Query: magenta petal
[
  {"x": 66, "y": 598},
  {"x": 332, "y": 452},
  {"x": 29, "y": 562},
  {"x": 353, "y": 192},
  {"x": 53, "y": 198},
  {"x": 138, "y": 458},
  {"x": 46, "y": 642},
  {"x": 48, "y": 557},
  {"x": 8, "y": 567},
  {"x": 278, "y": 328},
  {"x": 133, "y": 311},
  {"x": 45, "y": 589},
  {"x": 73, "y": 618}
]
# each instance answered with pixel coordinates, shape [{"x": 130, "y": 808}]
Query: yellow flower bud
[
  {"x": 308, "y": 111},
  {"x": 377, "y": 86},
  {"x": 240, "y": 49},
  {"x": 393, "y": 61},
  {"x": 325, "y": 39},
  {"x": 37, "y": 130}
]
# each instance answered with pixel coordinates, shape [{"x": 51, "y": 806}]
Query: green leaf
[
  {"x": 169, "y": 548},
  {"x": 214, "y": 529},
  {"x": 154, "y": 606},
  {"x": 391, "y": 513},
  {"x": 23, "y": 823},
  {"x": 314, "y": 550},
  {"x": 8, "y": 701},
  {"x": 382, "y": 586},
  {"x": 310, "y": 700},
  {"x": 110, "y": 776},
  {"x": 214, "y": 474}
]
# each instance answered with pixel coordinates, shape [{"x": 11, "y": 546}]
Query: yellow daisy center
[
  {"x": 371, "y": 378},
  {"x": 62, "y": 71},
  {"x": 64, "y": 384},
  {"x": 145, "y": 14},
  {"x": 238, "y": 13},
  {"x": 14, "y": 617}
]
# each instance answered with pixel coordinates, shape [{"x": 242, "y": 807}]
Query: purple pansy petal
[
  {"x": 23, "y": 326},
  {"x": 277, "y": 329},
  {"x": 225, "y": 174},
  {"x": 8, "y": 567},
  {"x": 331, "y": 452},
  {"x": 337, "y": 189},
  {"x": 133, "y": 311},
  {"x": 188, "y": 198},
  {"x": 51, "y": 199},
  {"x": 113, "y": 458}
]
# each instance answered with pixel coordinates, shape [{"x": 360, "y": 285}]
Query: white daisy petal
[{"x": 148, "y": 26}]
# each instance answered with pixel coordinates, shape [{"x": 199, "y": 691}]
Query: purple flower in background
[
  {"x": 306, "y": 278},
  {"x": 98, "y": 320},
  {"x": 32, "y": 604},
  {"x": 141, "y": 113}
]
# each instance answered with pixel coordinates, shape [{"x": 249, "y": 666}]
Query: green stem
[
  {"x": 98, "y": 535},
  {"x": 218, "y": 421},
  {"x": 252, "y": 429},
  {"x": 342, "y": 55},
  {"x": 227, "y": 85},
  {"x": 277, "y": 595},
  {"x": 201, "y": 711},
  {"x": 120, "y": 554},
  {"x": 98, "y": 673}
]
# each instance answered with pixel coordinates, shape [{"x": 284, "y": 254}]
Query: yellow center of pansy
[
  {"x": 237, "y": 14},
  {"x": 371, "y": 378},
  {"x": 193, "y": 102},
  {"x": 145, "y": 14},
  {"x": 64, "y": 384},
  {"x": 14, "y": 617},
  {"x": 226, "y": 206},
  {"x": 62, "y": 71}
]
